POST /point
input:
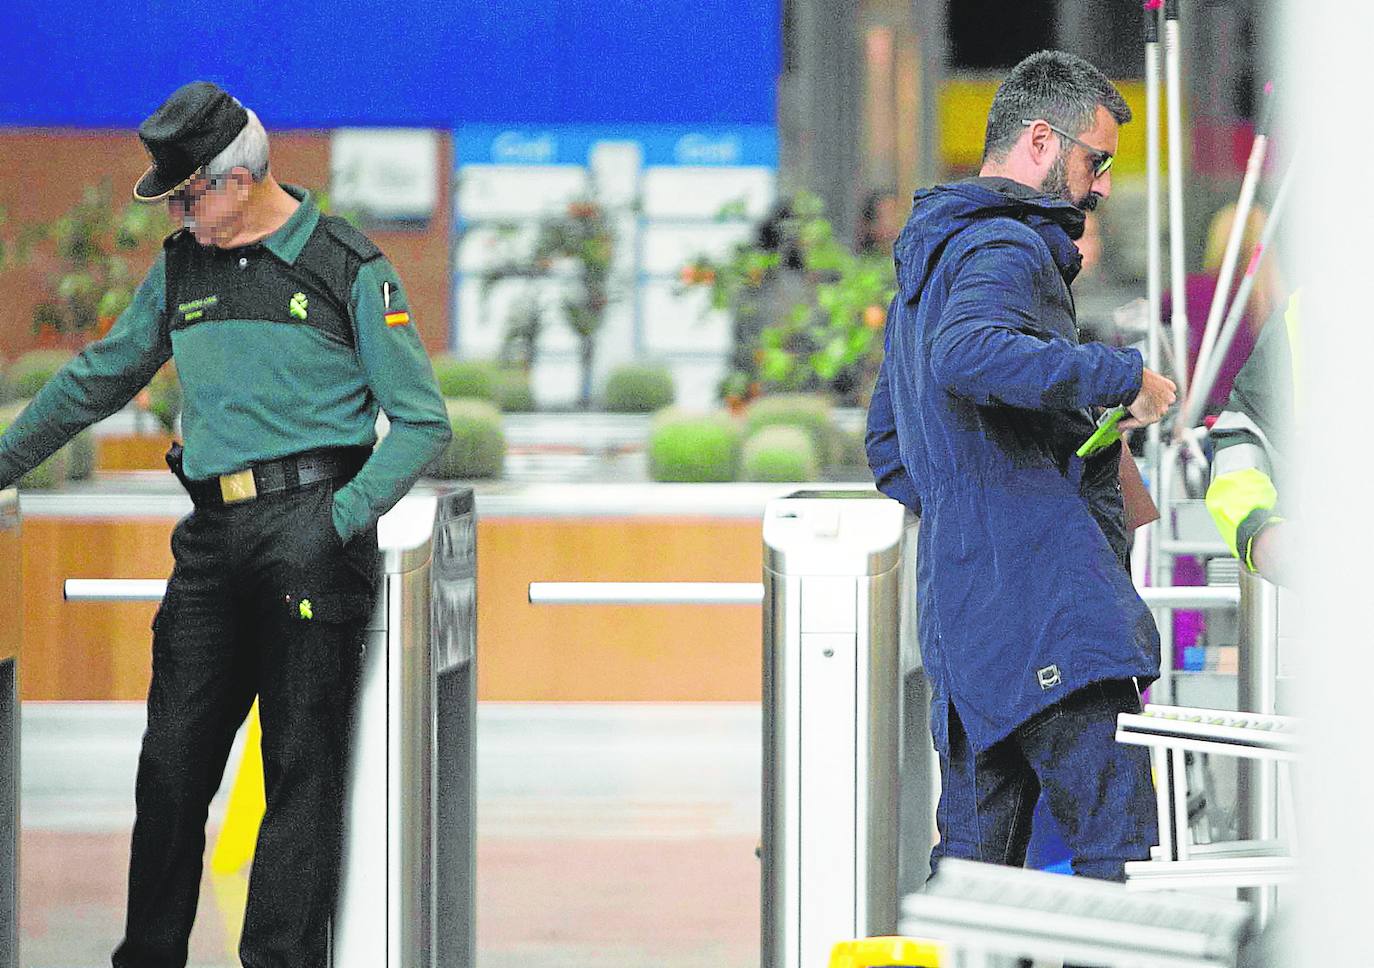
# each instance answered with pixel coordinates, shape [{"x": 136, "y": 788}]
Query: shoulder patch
[{"x": 350, "y": 238}]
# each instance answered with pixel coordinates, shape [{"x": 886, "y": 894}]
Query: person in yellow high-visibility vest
[{"x": 1251, "y": 495}]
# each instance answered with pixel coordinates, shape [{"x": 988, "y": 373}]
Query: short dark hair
[{"x": 1062, "y": 88}]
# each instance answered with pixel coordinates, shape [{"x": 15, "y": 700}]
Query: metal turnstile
[
  {"x": 832, "y": 696},
  {"x": 406, "y": 896},
  {"x": 406, "y": 893},
  {"x": 849, "y": 772},
  {"x": 11, "y": 605},
  {"x": 983, "y": 913}
]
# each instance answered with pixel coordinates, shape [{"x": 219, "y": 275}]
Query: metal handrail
[
  {"x": 645, "y": 593},
  {"x": 751, "y": 593},
  {"x": 631, "y": 593},
  {"x": 114, "y": 589},
  {"x": 1191, "y": 596}
]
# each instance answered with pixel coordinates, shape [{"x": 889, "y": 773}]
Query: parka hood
[{"x": 941, "y": 212}]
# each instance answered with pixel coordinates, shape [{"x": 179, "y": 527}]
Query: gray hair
[
  {"x": 1061, "y": 88},
  {"x": 247, "y": 150}
]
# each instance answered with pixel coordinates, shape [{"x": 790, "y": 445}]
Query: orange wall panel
[
  {"x": 88, "y": 650},
  {"x": 625, "y": 653},
  {"x": 658, "y": 653},
  {"x": 133, "y": 452}
]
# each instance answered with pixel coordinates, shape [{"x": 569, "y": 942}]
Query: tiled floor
[{"x": 608, "y": 836}]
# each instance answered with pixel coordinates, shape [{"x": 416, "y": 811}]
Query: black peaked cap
[{"x": 191, "y": 127}]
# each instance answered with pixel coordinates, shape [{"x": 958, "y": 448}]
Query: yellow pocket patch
[{"x": 397, "y": 318}]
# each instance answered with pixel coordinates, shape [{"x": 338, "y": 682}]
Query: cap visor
[{"x": 155, "y": 185}]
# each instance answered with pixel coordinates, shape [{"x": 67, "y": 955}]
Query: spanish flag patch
[{"x": 398, "y": 318}]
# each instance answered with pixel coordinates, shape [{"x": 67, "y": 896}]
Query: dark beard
[{"x": 1056, "y": 183}]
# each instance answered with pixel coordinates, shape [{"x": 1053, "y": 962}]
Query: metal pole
[
  {"x": 1163, "y": 689},
  {"x": 1161, "y": 570},
  {"x": 1193, "y": 408},
  {"x": 1154, "y": 266},
  {"x": 1153, "y": 280},
  {"x": 1253, "y": 170},
  {"x": 1154, "y": 284},
  {"x": 11, "y": 631},
  {"x": 1177, "y": 281},
  {"x": 1258, "y": 693}
]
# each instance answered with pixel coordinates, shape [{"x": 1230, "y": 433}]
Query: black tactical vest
[{"x": 206, "y": 284}]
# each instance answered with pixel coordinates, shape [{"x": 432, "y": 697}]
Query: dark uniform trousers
[
  {"x": 1098, "y": 790},
  {"x": 264, "y": 600}
]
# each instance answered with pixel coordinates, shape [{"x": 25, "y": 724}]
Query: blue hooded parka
[{"x": 983, "y": 396}]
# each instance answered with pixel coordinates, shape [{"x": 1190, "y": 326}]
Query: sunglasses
[{"x": 1101, "y": 160}]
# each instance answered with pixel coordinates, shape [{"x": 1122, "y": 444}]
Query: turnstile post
[
  {"x": 831, "y": 714},
  {"x": 11, "y": 604},
  {"x": 1257, "y": 681}
]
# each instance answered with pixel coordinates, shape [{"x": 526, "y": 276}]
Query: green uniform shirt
[{"x": 273, "y": 360}]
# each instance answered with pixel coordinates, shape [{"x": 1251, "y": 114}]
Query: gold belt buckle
[{"x": 234, "y": 488}]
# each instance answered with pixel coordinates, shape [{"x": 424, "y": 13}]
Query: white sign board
[{"x": 390, "y": 174}]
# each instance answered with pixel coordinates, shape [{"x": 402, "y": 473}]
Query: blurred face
[
  {"x": 1074, "y": 174},
  {"x": 211, "y": 207}
]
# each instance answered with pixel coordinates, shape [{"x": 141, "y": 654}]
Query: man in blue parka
[{"x": 1031, "y": 630}]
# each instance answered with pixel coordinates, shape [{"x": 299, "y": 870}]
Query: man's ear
[{"x": 1040, "y": 140}]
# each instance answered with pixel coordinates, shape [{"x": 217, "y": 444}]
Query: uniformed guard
[
  {"x": 1250, "y": 494},
  {"x": 290, "y": 330}
]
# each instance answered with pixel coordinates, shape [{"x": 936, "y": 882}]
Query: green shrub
[
  {"x": 54, "y": 471},
  {"x": 6, "y": 391},
  {"x": 82, "y": 452},
  {"x": 467, "y": 379},
  {"x": 693, "y": 448},
  {"x": 809, "y": 412},
  {"x": 51, "y": 474},
  {"x": 515, "y": 394},
  {"x": 164, "y": 397},
  {"x": 779, "y": 453},
  {"x": 478, "y": 447},
  {"x": 852, "y": 452},
  {"x": 30, "y": 372},
  {"x": 639, "y": 388}
]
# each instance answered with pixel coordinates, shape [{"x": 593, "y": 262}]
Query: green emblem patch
[
  {"x": 195, "y": 309},
  {"x": 298, "y": 305}
]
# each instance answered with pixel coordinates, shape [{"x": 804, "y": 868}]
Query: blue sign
[
  {"x": 373, "y": 63},
  {"x": 711, "y": 146}
]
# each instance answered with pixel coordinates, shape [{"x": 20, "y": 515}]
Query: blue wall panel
[{"x": 364, "y": 62}]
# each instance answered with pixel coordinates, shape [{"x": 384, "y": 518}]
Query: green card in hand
[{"x": 1106, "y": 433}]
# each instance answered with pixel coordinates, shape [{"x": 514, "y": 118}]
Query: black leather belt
[{"x": 275, "y": 476}]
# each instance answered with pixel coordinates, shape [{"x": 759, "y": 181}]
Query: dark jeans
[
  {"x": 1098, "y": 790},
  {"x": 265, "y": 601}
]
